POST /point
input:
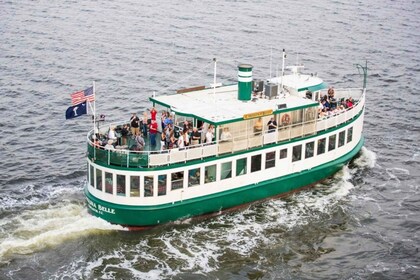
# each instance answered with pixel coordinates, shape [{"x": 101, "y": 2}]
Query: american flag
[{"x": 81, "y": 96}]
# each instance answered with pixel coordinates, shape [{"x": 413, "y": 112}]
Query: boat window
[
  {"x": 255, "y": 163},
  {"x": 92, "y": 176},
  {"x": 99, "y": 179},
  {"x": 210, "y": 174},
  {"x": 161, "y": 184},
  {"x": 241, "y": 166},
  {"x": 177, "y": 180},
  {"x": 226, "y": 170},
  {"x": 270, "y": 159},
  {"x": 350, "y": 134},
  {"x": 120, "y": 185},
  {"x": 341, "y": 138},
  {"x": 283, "y": 153},
  {"x": 148, "y": 186},
  {"x": 321, "y": 146},
  {"x": 297, "y": 153},
  {"x": 194, "y": 177},
  {"x": 331, "y": 142},
  {"x": 108, "y": 182},
  {"x": 134, "y": 186},
  {"x": 309, "y": 149}
]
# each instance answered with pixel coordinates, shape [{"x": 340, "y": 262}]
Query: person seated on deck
[
  {"x": 272, "y": 125},
  {"x": 225, "y": 135},
  {"x": 109, "y": 146},
  {"x": 258, "y": 126}
]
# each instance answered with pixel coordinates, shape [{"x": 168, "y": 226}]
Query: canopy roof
[{"x": 222, "y": 105}]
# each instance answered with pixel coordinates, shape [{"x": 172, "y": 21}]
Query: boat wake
[
  {"x": 34, "y": 230},
  {"x": 204, "y": 246}
]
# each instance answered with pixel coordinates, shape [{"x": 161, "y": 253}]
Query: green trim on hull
[{"x": 152, "y": 215}]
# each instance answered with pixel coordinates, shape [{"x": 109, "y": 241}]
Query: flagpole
[
  {"x": 94, "y": 107},
  {"x": 94, "y": 118}
]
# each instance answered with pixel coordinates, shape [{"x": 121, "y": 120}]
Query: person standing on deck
[
  {"x": 134, "y": 124},
  {"x": 153, "y": 114},
  {"x": 153, "y": 131}
]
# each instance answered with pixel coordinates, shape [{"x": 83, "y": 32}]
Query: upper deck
[{"x": 303, "y": 114}]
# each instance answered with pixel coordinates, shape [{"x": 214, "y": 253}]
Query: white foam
[
  {"x": 366, "y": 159},
  {"x": 33, "y": 230}
]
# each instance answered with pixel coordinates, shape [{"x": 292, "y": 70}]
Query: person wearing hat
[{"x": 134, "y": 124}]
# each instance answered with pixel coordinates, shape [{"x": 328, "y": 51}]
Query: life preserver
[{"x": 285, "y": 119}]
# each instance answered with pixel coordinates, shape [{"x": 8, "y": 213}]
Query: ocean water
[{"x": 362, "y": 223}]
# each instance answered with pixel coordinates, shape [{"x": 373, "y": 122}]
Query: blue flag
[{"x": 76, "y": 111}]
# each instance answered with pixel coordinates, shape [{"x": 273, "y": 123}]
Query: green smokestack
[{"x": 244, "y": 82}]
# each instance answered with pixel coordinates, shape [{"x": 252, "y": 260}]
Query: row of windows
[{"x": 193, "y": 176}]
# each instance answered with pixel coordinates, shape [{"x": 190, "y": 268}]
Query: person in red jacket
[
  {"x": 153, "y": 128},
  {"x": 153, "y": 113}
]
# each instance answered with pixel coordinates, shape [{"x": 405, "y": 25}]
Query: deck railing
[{"x": 138, "y": 159}]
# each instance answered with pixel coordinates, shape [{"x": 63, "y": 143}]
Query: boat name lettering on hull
[{"x": 99, "y": 208}]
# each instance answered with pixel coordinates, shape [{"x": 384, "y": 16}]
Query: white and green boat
[{"x": 255, "y": 162}]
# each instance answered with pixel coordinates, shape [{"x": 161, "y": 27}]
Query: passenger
[
  {"x": 153, "y": 129},
  {"x": 258, "y": 126},
  {"x": 163, "y": 141},
  {"x": 180, "y": 142},
  {"x": 109, "y": 146},
  {"x": 272, "y": 125},
  {"x": 153, "y": 114},
  {"x": 172, "y": 142},
  {"x": 225, "y": 135},
  {"x": 111, "y": 134},
  {"x": 196, "y": 136},
  {"x": 124, "y": 133},
  {"x": 139, "y": 142},
  {"x": 134, "y": 124},
  {"x": 144, "y": 124},
  {"x": 162, "y": 119},
  {"x": 168, "y": 120},
  {"x": 186, "y": 138},
  {"x": 349, "y": 102},
  {"x": 331, "y": 92},
  {"x": 209, "y": 135},
  {"x": 97, "y": 144}
]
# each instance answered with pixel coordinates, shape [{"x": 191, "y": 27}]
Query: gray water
[{"x": 362, "y": 223}]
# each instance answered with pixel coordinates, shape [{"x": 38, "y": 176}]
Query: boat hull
[{"x": 146, "y": 216}]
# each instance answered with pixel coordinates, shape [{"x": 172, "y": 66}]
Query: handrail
[{"x": 139, "y": 159}]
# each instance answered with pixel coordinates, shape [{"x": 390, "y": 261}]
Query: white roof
[{"x": 223, "y": 105}]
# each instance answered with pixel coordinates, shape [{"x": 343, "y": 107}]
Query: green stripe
[{"x": 152, "y": 215}]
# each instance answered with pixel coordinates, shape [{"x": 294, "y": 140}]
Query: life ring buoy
[{"x": 285, "y": 119}]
